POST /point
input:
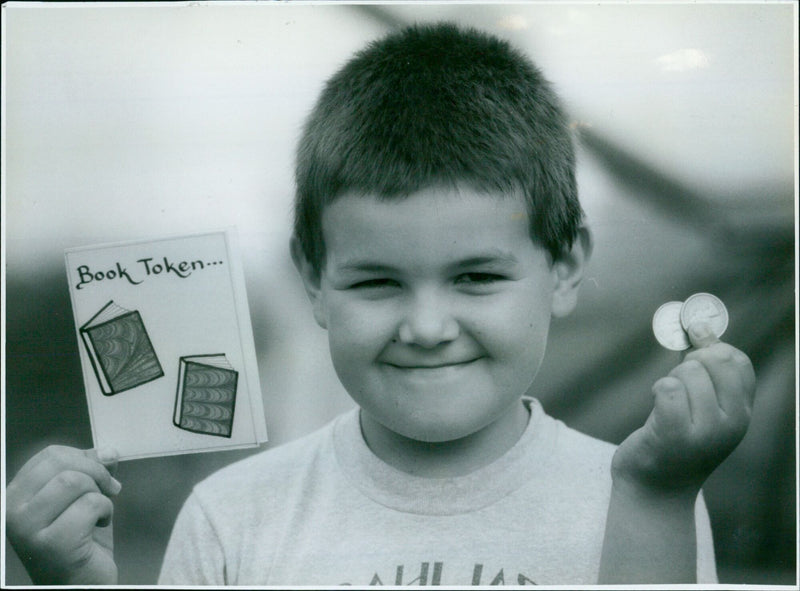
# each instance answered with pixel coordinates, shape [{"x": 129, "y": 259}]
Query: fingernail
[
  {"x": 116, "y": 486},
  {"x": 700, "y": 330},
  {"x": 107, "y": 455}
]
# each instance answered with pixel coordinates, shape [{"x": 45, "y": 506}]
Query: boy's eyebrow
[
  {"x": 497, "y": 258},
  {"x": 490, "y": 258},
  {"x": 364, "y": 266}
]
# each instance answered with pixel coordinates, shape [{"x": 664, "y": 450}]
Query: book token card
[{"x": 166, "y": 345}]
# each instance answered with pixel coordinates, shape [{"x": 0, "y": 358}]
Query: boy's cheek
[{"x": 357, "y": 322}]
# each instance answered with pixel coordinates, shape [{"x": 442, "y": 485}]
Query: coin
[
  {"x": 705, "y": 307},
  {"x": 668, "y": 328}
]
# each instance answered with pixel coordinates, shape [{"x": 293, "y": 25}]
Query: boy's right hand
[
  {"x": 58, "y": 516},
  {"x": 702, "y": 411}
]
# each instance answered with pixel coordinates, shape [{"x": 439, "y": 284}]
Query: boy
[{"x": 437, "y": 232}]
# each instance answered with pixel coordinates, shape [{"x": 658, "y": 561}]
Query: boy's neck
[{"x": 449, "y": 458}]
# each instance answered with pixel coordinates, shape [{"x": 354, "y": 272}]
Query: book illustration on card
[
  {"x": 120, "y": 350},
  {"x": 206, "y": 395}
]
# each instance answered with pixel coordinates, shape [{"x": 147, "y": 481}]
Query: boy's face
[{"x": 437, "y": 307}]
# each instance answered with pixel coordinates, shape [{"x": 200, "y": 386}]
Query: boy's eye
[
  {"x": 479, "y": 283},
  {"x": 478, "y": 278},
  {"x": 374, "y": 283}
]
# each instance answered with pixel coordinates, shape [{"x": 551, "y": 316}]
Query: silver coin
[
  {"x": 668, "y": 328},
  {"x": 705, "y": 307}
]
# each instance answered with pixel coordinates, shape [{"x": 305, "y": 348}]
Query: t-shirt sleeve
[
  {"x": 706, "y": 562},
  {"x": 194, "y": 555}
]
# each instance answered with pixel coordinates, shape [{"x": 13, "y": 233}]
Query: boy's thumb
[
  {"x": 701, "y": 334},
  {"x": 109, "y": 457}
]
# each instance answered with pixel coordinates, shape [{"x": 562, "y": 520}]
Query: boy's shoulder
[
  {"x": 573, "y": 438},
  {"x": 571, "y": 447}
]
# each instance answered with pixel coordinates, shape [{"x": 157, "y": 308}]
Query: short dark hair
[{"x": 438, "y": 105}]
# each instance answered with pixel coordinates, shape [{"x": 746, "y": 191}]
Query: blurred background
[{"x": 136, "y": 121}]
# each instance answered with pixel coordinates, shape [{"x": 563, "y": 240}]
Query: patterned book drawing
[
  {"x": 121, "y": 353},
  {"x": 206, "y": 395}
]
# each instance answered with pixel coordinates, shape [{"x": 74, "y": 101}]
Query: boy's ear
[
  {"x": 568, "y": 270},
  {"x": 311, "y": 280}
]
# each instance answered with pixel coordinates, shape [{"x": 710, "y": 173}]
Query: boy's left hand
[{"x": 701, "y": 412}]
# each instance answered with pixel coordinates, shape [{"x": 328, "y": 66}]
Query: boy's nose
[{"x": 428, "y": 323}]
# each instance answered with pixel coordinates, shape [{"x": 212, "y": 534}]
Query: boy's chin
[
  {"x": 437, "y": 429},
  {"x": 438, "y": 435}
]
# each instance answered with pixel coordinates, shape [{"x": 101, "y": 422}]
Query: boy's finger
[
  {"x": 108, "y": 456},
  {"x": 55, "y": 459},
  {"x": 699, "y": 391},
  {"x": 671, "y": 411},
  {"x": 79, "y": 519},
  {"x": 57, "y": 495},
  {"x": 50, "y": 455},
  {"x": 701, "y": 334},
  {"x": 733, "y": 377}
]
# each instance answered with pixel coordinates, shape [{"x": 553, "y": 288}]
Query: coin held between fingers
[
  {"x": 672, "y": 320},
  {"x": 705, "y": 307},
  {"x": 668, "y": 329}
]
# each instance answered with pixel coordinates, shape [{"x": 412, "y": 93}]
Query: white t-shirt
[{"x": 324, "y": 510}]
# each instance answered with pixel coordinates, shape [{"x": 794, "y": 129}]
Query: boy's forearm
[{"x": 649, "y": 539}]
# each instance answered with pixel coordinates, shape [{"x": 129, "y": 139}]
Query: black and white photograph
[{"x": 405, "y": 294}]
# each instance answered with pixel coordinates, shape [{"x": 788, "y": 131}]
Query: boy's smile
[{"x": 437, "y": 307}]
